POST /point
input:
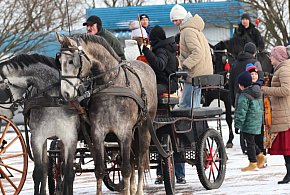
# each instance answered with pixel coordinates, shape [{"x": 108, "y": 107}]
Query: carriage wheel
[
  {"x": 167, "y": 164},
  {"x": 113, "y": 178},
  {"x": 211, "y": 160},
  {"x": 13, "y": 158},
  {"x": 55, "y": 168}
]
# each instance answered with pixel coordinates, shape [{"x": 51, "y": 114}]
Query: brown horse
[{"x": 123, "y": 96}]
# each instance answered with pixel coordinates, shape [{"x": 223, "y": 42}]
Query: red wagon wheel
[{"x": 13, "y": 158}]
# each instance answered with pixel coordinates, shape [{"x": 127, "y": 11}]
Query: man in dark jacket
[
  {"x": 239, "y": 66},
  {"x": 162, "y": 59},
  {"x": 94, "y": 27},
  {"x": 246, "y": 28}
]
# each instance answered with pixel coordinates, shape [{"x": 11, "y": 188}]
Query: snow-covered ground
[{"x": 261, "y": 182}]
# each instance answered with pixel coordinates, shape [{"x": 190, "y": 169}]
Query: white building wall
[{"x": 213, "y": 34}]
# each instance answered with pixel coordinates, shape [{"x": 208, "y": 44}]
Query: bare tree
[
  {"x": 274, "y": 18},
  {"x": 27, "y": 24},
  {"x": 123, "y": 3},
  {"x": 185, "y": 1}
]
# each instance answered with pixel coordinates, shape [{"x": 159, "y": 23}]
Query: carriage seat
[
  {"x": 205, "y": 82},
  {"x": 197, "y": 112}
]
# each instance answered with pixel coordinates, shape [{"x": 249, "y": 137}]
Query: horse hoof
[{"x": 229, "y": 145}]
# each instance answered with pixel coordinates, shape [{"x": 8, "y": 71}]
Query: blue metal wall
[{"x": 216, "y": 13}]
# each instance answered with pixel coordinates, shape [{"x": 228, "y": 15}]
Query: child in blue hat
[{"x": 248, "y": 119}]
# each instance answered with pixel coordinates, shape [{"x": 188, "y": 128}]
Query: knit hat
[
  {"x": 245, "y": 79},
  {"x": 143, "y": 16},
  {"x": 280, "y": 53},
  {"x": 157, "y": 34},
  {"x": 250, "y": 48},
  {"x": 246, "y": 16},
  {"x": 94, "y": 20},
  {"x": 177, "y": 13},
  {"x": 251, "y": 68}
]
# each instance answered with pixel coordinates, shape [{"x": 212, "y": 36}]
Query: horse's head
[
  {"x": 22, "y": 76},
  {"x": 12, "y": 88},
  {"x": 82, "y": 56}
]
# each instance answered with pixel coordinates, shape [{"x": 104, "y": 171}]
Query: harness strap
[
  {"x": 155, "y": 139},
  {"x": 43, "y": 101},
  {"x": 122, "y": 91}
]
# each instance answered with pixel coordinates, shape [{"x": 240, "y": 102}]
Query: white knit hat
[{"x": 177, "y": 13}]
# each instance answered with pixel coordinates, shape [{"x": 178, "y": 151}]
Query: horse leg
[
  {"x": 225, "y": 97},
  {"x": 98, "y": 155},
  {"x": 133, "y": 187},
  {"x": 44, "y": 169},
  {"x": 126, "y": 167},
  {"x": 69, "y": 174},
  {"x": 38, "y": 169},
  {"x": 143, "y": 161}
]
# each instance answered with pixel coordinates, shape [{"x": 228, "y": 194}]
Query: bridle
[
  {"x": 78, "y": 55},
  {"x": 8, "y": 93}
]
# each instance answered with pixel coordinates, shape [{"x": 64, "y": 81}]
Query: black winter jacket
[
  {"x": 238, "y": 67},
  {"x": 253, "y": 33},
  {"x": 163, "y": 60}
]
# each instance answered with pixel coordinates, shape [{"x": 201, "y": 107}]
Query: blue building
[{"x": 220, "y": 18}]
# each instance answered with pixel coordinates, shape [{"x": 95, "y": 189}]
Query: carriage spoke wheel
[
  {"x": 13, "y": 158},
  {"x": 55, "y": 168},
  {"x": 167, "y": 164},
  {"x": 211, "y": 160},
  {"x": 113, "y": 178}
]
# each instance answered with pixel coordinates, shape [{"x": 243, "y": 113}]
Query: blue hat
[
  {"x": 251, "y": 68},
  {"x": 245, "y": 79}
]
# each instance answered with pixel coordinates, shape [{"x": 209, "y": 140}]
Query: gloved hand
[
  {"x": 261, "y": 82},
  {"x": 237, "y": 131},
  {"x": 184, "y": 68}
]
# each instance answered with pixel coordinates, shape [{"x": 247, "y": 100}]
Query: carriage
[{"x": 182, "y": 131}]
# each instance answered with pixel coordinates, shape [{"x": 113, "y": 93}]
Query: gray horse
[
  {"x": 124, "y": 96},
  {"x": 36, "y": 76}
]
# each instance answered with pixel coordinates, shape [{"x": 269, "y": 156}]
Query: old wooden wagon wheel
[{"x": 13, "y": 158}]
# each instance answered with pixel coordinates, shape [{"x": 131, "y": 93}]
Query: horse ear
[
  {"x": 69, "y": 42},
  {"x": 59, "y": 38}
]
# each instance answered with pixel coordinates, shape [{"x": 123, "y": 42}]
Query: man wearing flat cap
[
  {"x": 246, "y": 27},
  {"x": 94, "y": 27}
]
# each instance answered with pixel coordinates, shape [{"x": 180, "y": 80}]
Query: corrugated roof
[{"x": 215, "y": 13}]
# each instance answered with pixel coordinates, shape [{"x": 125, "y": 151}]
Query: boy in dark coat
[{"x": 248, "y": 118}]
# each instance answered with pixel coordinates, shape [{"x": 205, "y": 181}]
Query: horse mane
[
  {"x": 234, "y": 45},
  {"x": 97, "y": 39},
  {"x": 22, "y": 60}
]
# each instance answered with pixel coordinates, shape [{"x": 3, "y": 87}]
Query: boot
[
  {"x": 261, "y": 160},
  {"x": 251, "y": 167},
  {"x": 286, "y": 179}
]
